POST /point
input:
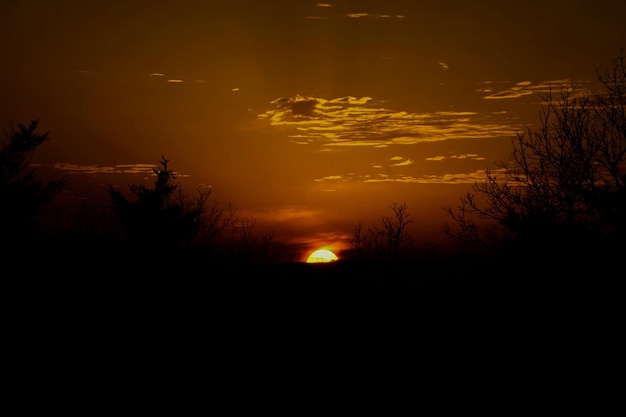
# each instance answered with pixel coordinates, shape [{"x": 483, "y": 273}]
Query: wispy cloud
[
  {"x": 353, "y": 15},
  {"x": 452, "y": 179},
  {"x": 374, "y": 16},
  {"x": 340, "y": 123},
  {"x": 351, "y": 121},
  {"x": 471, "y": 156},
  {"x": 141, "y": 169},
  {"x": 508, "y": 90},
  {"x": 399, "y": 161},
  {"x": 173, "y": 80}
]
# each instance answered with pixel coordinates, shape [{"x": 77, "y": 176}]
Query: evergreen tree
[{"x": 22, "y": 193}]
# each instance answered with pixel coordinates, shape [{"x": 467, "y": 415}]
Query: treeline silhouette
[
  {"x": 553, "y": 212},
  {"x": 152, "y": 229}
]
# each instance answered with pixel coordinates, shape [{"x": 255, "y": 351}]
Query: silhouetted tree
[
  {"x": 387, "y": 241},
  {"x": 253, "y": 248},
  {"x": 563, "y": 189},
  {"x": 164, "y": 218},
  {"x": 22, "y": 193}
]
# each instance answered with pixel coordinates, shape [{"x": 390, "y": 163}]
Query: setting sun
[{"x": 321, "y": 255}]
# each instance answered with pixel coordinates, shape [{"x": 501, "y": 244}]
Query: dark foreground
[
  {"x": 408, "y": 292},
  {"x": 95, "y": 335}
]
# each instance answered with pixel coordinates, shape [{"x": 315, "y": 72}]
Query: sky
[{"x": 308, "y": 117}]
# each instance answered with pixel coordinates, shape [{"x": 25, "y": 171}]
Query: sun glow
[{"x": 321, "y": 255}]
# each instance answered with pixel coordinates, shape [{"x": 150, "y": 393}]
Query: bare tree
[
  {"x": 564, "y": 185},
  {"x": 386, "y": 241}
]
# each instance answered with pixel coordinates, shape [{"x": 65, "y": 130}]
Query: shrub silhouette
[
  {"x": 22, "y": 193},
  {"x": 563, "y": 190}
]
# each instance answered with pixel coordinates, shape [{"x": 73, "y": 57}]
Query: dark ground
[
  {"x": 293, "y": 336},
  {"x": 423, "y": 291}
]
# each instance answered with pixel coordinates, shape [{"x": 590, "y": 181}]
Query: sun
[{"x": 321, "y": 255}]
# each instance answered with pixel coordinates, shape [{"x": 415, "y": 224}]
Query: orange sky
[{"x": 309, "y": 117}]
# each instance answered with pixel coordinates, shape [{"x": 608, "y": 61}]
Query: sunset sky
[{"x": 309, "y": 117}]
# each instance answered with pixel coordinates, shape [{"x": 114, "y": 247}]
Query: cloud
[
  {"x": 351, "y": 121},
  {"x": 373, "y": 16},
  {"x": 464, "y": 178},
  {"x": 352, "y": 15},
  {"x": 141, "y": 169},
  {"x": 471, "y": 156},
  {"x": 174, "y": 80},
  {"x": 295, "y": 109},
  {"x": 402, "y": 163},
  {"x": 437, "y": 158},
  {"x": 99, "y": 169},
  {"x": 459, "y": 178},
  {"x": 451, "y": 179},
  {"x": 342, "y": 123},
  {"x": 522, "y": 88},
  {"x": 330, "y": 178}
]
